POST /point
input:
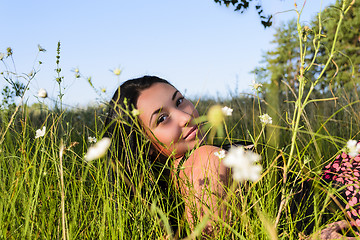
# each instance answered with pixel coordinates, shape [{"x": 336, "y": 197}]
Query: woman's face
[{"x": 167, "y": 118}]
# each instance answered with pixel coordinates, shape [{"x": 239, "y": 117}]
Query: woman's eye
[
  {"x": 179, "y": 101},
  {"x": 161, "y": 119}
]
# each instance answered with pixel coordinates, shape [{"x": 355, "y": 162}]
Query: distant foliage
[
  {"x": 344, "y": 70},
  {"x": 243, "y": 5},
  {"x": 281, "y": 64}
]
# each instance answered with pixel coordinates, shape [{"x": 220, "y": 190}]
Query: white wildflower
[
  {"x": 117, "y": 71},
  {"x": 42, "y": 93},
  {"x": 92, "y": 139},
  {"x": 265, "y": 119},
  {"x": 98, "y": 150},
  {"x": 353, "y": 148},
  {"x": 220, "y": 154},
  {"x": 256, "y": 85},
  {"x": 243, "y": 164},
  {"x": 227, "y": 111},
  {"x": 135, "y": 112},
  {"x": 40, "y": 132}
]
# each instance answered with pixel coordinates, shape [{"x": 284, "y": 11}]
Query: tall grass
[
  {"x": 50, "y": 192},
  {"x": 32, "y": 191}
]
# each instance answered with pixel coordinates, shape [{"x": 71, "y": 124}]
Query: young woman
[
  {"x": 151, "y": 110},
  {"x": 166, "y": 118}
]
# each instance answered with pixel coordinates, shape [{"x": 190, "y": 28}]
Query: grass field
[{"x": 49, "y": 191}]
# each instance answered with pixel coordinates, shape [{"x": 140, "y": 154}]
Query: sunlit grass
[
  {"x": 94, "y": 208},
  {"x": 49, "y": 191}
]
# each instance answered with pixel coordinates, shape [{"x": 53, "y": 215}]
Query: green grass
[
  {"x": 32, "y": 195},
  {"x": 48, "y": 191}
]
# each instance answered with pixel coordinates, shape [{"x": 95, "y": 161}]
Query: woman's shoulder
[
  {"x": 203, "y": 157},
  {"x": 207, "y": 149},
  {"x": 204, "y": 164},
  {"x": 204, "y": 152}
]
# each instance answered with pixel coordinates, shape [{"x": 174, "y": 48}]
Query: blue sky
[{"x": 203, "y": 48}]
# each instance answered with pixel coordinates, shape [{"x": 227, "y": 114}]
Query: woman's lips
[{"x": 191, "y": 134}]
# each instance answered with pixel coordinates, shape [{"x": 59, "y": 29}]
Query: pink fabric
[{"x": 344, "y": 170}]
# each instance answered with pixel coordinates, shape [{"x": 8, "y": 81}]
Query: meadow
[{"x": 49, "y": 190}]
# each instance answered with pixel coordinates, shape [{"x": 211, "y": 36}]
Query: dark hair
[
  {"x": 130, "y": 151},
  {"x": 123, "y": 128},
  {"x": 130, "y": 90}
]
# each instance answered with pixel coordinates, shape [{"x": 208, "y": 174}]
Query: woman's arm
[
  {"x": 332, "y": 231},
  {"x": 203, "y": 182}
]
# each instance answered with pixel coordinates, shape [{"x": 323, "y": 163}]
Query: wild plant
[{"x": 58, "y": 181}]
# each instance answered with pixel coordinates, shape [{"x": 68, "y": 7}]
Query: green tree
[
  {"x": 344, "y": 70},
  {"x": 280, "y": 68},
  {"x": 281, "y": 65}
]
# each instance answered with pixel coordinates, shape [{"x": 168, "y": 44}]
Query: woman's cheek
[
  {"x": 171, "y": 135},
  {"x": 162, "y": 136},
  {"x": 191, "y": 109}
]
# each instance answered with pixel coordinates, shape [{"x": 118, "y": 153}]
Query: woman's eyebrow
[
  {"x": 157, "y": 111},
  {"x": 174, "y": 95}
]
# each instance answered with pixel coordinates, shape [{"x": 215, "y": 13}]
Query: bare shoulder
[
  {"x": 202, "y": 155},
  {"x": 203, "y": 182},
  {"x": 207, "y": 149},
  {"x": 203, "y": 159}
]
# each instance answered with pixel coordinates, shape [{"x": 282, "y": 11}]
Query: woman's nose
[{"x": 184, "y": 118}]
